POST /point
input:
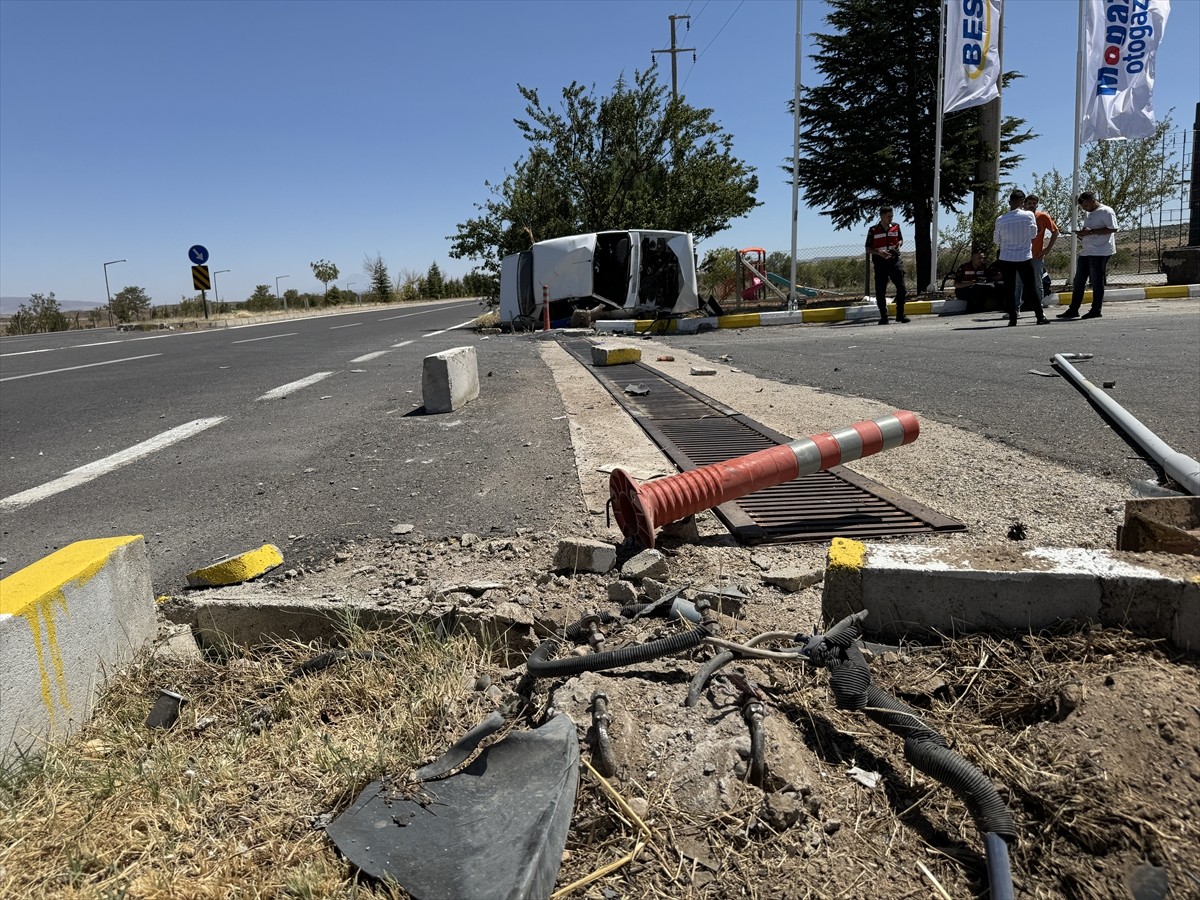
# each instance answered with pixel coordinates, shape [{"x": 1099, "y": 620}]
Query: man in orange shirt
[{"x": 1040, "y": 249}]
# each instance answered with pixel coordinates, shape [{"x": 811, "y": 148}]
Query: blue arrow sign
[{"x": 198, "y": 254}]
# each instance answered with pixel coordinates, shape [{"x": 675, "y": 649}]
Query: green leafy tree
[
  {"x": 435, "y": 284},
  {"x": 478, "y": 283},
  {"x": 631, "y": 159},
  {"x": 1134, "y": 177},
  {"x": 41, "y": 314},
  {"x": 325, "y": 272},
  {"x": 867, "y": 132},
  {"x": 262, "y": 299},
  {"x": 376, "y": 270},
  {"x": 130, "y": 303}
]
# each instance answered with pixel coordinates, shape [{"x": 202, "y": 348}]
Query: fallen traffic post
[{"x": 643, "y": 508}]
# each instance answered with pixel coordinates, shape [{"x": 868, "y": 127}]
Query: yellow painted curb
[
  {"x": 829, "y": 314},
  {"x": 739, "y": 320},
  {"x": 237, "y": 569},
  {"x": 45, "y": 579},
  {"x": 1166, "y": 292},
  {"x": 918, "y": 307},
  {"x": 845, "y": 553},
  {"x": 659, "y": 326},
  {"x": 603, "y": 355}
]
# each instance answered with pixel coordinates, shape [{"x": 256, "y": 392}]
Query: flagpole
[
  {"x": 937, "y": 144},
  {"x": 795, "y": 162},
  {"x": 1078, "y": 134}
]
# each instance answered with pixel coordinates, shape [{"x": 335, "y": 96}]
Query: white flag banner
[
  {"x": 972, "y": 54},
  {"x": 1120, "y": 42}
]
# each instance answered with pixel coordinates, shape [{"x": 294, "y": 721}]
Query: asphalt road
[
  {"x": 188, "y": 440},
  {"x": 232, "y": 464},
  {"x": 974, "y": 372}
]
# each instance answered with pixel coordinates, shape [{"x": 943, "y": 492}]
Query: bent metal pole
[
  {"x": 1179, "y": 467},
  {"x": 642, "y": 508}
]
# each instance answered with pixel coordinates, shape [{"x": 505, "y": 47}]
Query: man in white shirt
[
  {"x": 1013, "y": 234},
  {"x": 1097, "y": 245}
]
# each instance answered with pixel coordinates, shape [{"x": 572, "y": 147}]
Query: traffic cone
[{"x": 642, "y": 508}]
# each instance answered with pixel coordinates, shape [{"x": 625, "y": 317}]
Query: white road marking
[
  {"x": 269, "y": 337},
  {"x": 27, "y": 352},
  {"x": 451, "y": 328},
  {"x": 336, "y": 327},
  {"x": 367, "y": 356},
  {"x": 73, "y": 368},
  {"x": 401, "y": 344},
  {"x": 407, "y": 315},
  {"x": 92, "y": 470},
  {"x": 281, "y": 392}
]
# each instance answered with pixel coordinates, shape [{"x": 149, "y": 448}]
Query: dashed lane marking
[
  {"x": 73, "y": 368},
  {"x": 290, "y": 388},
  {"x": 368, "y": 356},
  {"x": 92, "y": 470},
  {"x": 269, "y": 337},
  {"x": 451, "y": 328},
  {"x": 401, "y": 344},
  {"x": 336, "y": 327}
]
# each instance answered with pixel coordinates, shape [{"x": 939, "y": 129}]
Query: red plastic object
[{"x": 643, "y": 508}]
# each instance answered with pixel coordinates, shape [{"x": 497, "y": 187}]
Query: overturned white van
[{"x": 651, "y": 273}]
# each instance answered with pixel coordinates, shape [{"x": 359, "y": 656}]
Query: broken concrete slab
[
  {"x": 647, "y": 564},
  {"x": 614, "y": 355},
  {"x": 237, "y": 569},
  {"x": 924, "y": 590},
  {"x": 584, "y": 555},
  {"x": 792, "y": 579},
  {"x": 450, "y": 379},
  {"x": 1162, "y": 525}
]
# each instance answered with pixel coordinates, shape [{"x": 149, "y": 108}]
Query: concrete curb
[
  {"x": 919, "y": 591},
  {"x": 449, "y": 379},
  {"x": 237, "y": 569},
  {"x": 863, "y": 312},
  {"x": 67, "y": 623}
]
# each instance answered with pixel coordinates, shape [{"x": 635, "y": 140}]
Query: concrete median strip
[
  {"x": 921, "y": 590},
  {"x": 68, "y": 623},
  {"x": 237, "y": 569}
]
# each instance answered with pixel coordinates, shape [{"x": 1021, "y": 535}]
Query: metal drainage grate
[{"x": 695, "y": 430}]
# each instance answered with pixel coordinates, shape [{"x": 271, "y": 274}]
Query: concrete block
[
  {"x": 921, "y": 591},
  {"x": 647, "y": 564},
  {"x": 584, "y": 555},
  {"x": 612, "y": 355},
  {"x": 236, "y": 569},
  {"x": 450, "y": 379},
  {"x": 67, "y": 623}
]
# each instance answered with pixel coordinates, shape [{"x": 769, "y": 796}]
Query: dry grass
[{"x": 224, "y": 804}]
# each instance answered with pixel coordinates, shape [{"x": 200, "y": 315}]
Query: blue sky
[{"x": 278, "y": 133}]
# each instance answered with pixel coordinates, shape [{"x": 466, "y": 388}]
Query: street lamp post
[
  {"x": 217, "y": 293},
  {"x": 279, "y": 295},
  {"x": 106, "y": 291}
]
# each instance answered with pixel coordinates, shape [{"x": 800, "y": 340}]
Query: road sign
[
  {"x": 200, "y": 278},
  {"x": 198, "y": 254}
]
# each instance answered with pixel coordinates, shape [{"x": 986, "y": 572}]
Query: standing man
[
  {"x": 1013, "y": 234},
  {"x": 1041, "y": 250},
  {"x": 1099, "y": 243},
  {"x": 883, "y": 243}
]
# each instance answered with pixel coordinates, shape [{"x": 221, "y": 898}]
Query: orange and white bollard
[
  {"x": 545, "y": 308},
  {"x": 643, "y": 508}
]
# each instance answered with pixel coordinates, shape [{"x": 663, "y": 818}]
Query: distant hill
[{"x": 9, "y": 305}]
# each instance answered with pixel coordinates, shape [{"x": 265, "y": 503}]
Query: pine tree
[{"x": 867, "y": 132}]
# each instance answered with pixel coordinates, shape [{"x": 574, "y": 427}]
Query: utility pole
[{"x": 674, "y": 51}]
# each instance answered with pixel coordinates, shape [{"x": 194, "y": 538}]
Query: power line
[{"x": 710, "y": 43}]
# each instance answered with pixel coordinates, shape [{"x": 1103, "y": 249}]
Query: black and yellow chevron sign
[{"x": 200, "y": 279}]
